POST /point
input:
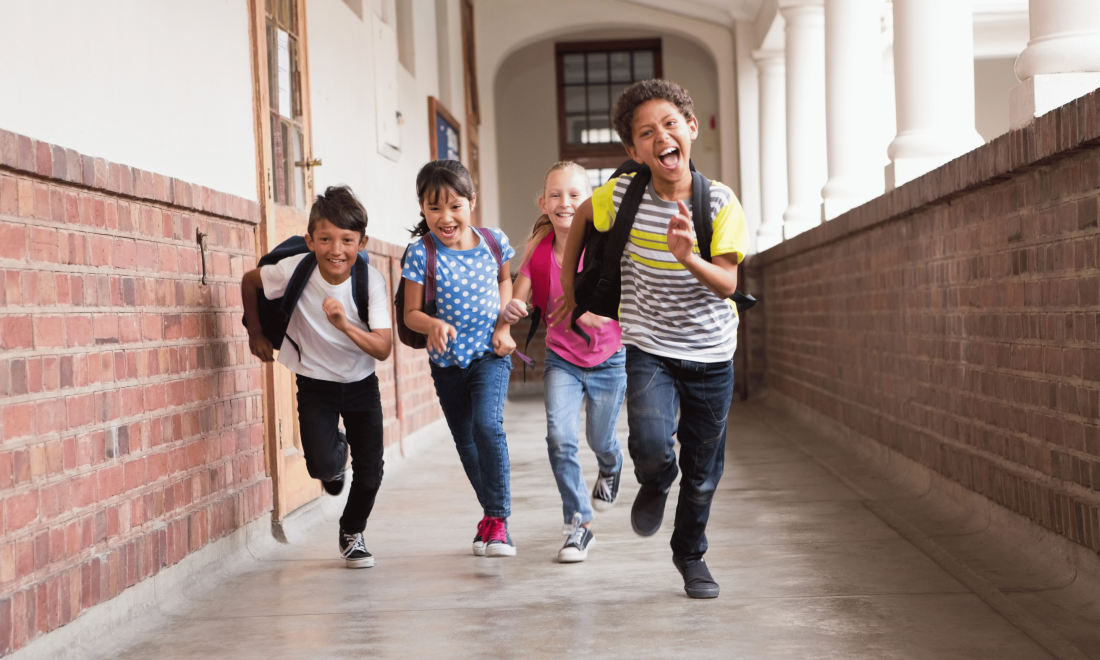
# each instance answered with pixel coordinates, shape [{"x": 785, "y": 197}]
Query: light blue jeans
[{"x": 566, "y": 387}]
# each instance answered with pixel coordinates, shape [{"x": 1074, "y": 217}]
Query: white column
[
  {"x": 807, "y": 167},
  {"x": 934, "y": 86},
  {"x": 773, "y": 146},
  {"x": 1062, "y": 58},
  {"x": 853, "y": 104}
]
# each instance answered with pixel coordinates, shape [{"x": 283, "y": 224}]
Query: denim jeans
[
  {"x": 566, "y": 386},
  {"x": 656, "y": 387},
  {"x": 321, "y": 403},
  {"x": 473, "y": 404}
]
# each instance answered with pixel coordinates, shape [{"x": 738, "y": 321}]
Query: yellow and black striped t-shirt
[{"x": 664, "y": 310}]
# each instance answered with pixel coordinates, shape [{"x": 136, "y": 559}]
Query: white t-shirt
[{"x": 326, "y": 353}]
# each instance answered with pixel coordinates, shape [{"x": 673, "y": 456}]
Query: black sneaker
[
  {"x": 648, "y": 510},
  {"x": 354, "y": 551},
  {"x": 334, "y": 486},
  {"x": 606, "y": 490},
  {"x": 576, "y": 546},
  {"x": 697, "y": 580}
]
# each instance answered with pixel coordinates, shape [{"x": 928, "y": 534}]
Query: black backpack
[
  {"x": 275, "y": 313},
  {"x": 598, "y": 287}
]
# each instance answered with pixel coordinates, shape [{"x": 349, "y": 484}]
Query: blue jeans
[
  {"x": 566, "y": 386},
  {"x": 656, "y": 387},
  {"x": 473, "y": 404}
]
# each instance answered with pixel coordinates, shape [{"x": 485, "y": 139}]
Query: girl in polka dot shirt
[{"x": 468, "y": 343}]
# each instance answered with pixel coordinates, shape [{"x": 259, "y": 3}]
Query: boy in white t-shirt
[{"x": 333, "y": 353}]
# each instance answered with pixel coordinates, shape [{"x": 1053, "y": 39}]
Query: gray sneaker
[
  {"x": 606, "y": 490},
  {"x": 579, "y": 541}
]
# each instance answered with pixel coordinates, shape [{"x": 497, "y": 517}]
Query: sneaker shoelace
[
  {"x": 603, "y": 487},
  {"x": 496, "y": 531},
  {"x": 577, "y": 536},
  {"x": 353, "y": 542},
  {"x": 482, "y": 529}
]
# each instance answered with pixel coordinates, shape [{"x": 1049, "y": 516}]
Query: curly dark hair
[
  {"x": 341, "y": 208},
  {"x": 622, "y": 115}
]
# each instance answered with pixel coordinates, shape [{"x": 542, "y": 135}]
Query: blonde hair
[{"x": 543, "y": 227}]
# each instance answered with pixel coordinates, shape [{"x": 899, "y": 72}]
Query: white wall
[
  {"x": 162, "y": 86},
  {"x": 342, "y": 94},
  {"x": 504, "y": 27}
]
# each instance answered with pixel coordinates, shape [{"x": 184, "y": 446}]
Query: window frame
[
  {"x": 299, "y": 121},
  {"x": 591, "y": 156}
]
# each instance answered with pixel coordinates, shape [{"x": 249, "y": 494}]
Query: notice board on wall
[{"x": 446, "y": 132}]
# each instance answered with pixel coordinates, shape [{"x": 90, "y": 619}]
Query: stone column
[
  {"x": 853, "y": 104},
  {"x": 807, "y": 167},
  {"x": 773, "y": 146},
  {"x": 934, "y": 86},
  {"x": 1062, "y": 58}
]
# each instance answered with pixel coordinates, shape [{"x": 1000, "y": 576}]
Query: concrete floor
[{"x": 817, "y": 555}]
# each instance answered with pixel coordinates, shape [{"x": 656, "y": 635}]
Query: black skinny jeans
[{"x": 321, "y": 403}]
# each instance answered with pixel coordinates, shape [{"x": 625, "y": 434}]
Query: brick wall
[
  {"x": 954, "y": 320},
  {"x": 131, "y": 432},
  {"x": 131, "y": 429}
]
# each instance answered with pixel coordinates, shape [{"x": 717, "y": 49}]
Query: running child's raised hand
[
  {"x": 680, "y": 238},
  {"x": 592, "y": 321},
  {"x": 513, "y": 311},
  {"x": 441, "y": 334},
  {"x": 335, "y": 313}
]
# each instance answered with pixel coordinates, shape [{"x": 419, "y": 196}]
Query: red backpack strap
[
  {"x": 429, "y": 269},
  {"x": 494, "y": 246},
  {"x": 540, "y": 272}
]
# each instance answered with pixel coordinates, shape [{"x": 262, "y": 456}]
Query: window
[
  {"x": 284, "y": 84},
  {"x": 590, "y": 76}
]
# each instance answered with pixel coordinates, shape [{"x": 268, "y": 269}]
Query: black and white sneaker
[
  {"x": 579, "y": 541},
  {"x": 354, "y": 550},
  {"x": 606, "y": 490}
]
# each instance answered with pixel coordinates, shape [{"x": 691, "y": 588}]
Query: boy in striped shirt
[{"x": 678, "y": 324}]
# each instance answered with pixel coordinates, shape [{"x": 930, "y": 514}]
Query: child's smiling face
[
  {"x": 563, "y": 193},
  {"x": 335, "y": 249},
  {"x": 448, "y": 218},
  {"x": 662, "y": 139}
]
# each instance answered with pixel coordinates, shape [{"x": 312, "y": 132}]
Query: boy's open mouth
[{"x": 670, "y": 158}]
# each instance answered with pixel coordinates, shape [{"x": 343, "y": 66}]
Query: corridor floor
[{"x": 808, "y": 564}]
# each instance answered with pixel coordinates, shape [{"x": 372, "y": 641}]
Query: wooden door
[{"x": 285, "y": 164}]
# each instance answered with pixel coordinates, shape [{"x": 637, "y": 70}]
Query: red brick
[
  {"x": 9, "y": 196},
  {"x": 51, "y": 418},
  {"x": 80, "y": 410},
  {"x": 105, "y": 328},
  {"x": 78, "y": 330},
  {"x": 49, "y": 332},
  {"x": 15, "y": 332},
  {"x": 21, "y": 510},
  {"x": 13, "y": 241}
]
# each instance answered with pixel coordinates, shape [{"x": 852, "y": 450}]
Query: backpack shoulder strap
[
  {"x": 540, "y": 272},
  {"x": 624, "y": 219},
  {"x": 360, "y": 288},
  {"x": 494, "y": 246},
  {"x": 429, "y": 269},
  {"x": 700, "y": 213},
  {"x": 296, "y": 285}
]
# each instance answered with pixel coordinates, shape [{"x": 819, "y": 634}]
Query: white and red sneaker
[
  {"x": 498, "y": 543},
  {"x": 479, "y": 538}
]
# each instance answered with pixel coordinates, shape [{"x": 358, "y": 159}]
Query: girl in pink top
[{"x": 573, "y": 368}]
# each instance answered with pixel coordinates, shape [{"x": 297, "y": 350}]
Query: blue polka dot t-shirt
[{"x": 466, "y": 292}]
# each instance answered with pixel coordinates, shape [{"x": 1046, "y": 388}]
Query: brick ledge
[{"x": 24, "y": 154}]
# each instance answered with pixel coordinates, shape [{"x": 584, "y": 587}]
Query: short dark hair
[
  {"x": 622, "y": 116},
  {"x": 339, "y": 206},
  {"x": 437, "y": 178}
]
